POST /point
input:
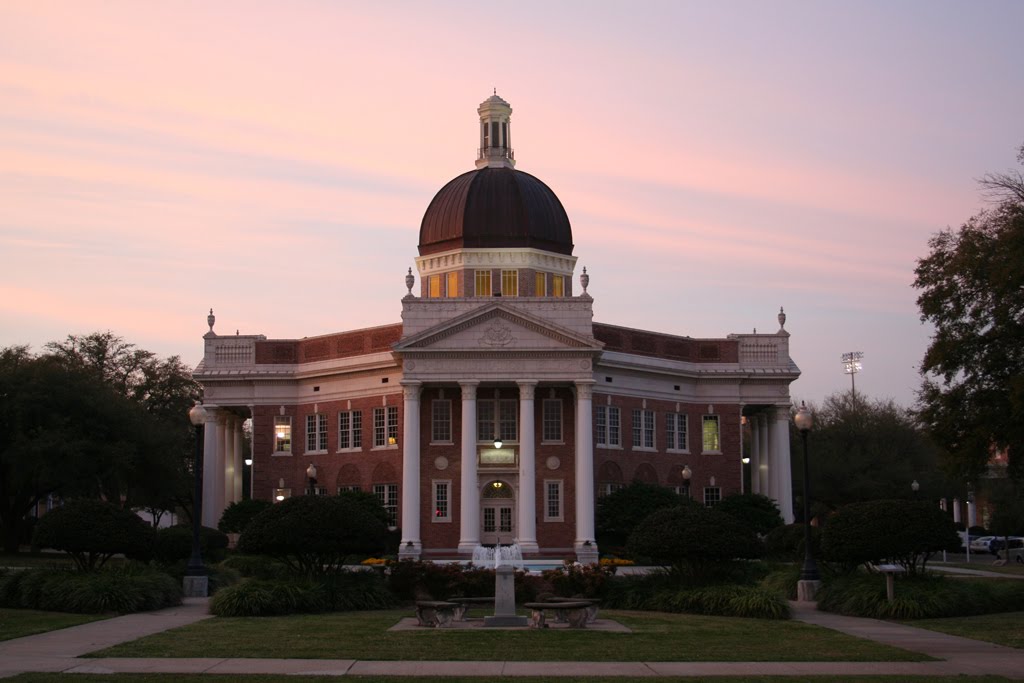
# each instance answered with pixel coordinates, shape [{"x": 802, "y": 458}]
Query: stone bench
[
  {"x": 435, "y": 613},
  {"x": 591, "y": 611},
  {"x": 573, "y": 612},
  {"x": 465, "y": 603}
]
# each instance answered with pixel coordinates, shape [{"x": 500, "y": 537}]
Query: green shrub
[
  {"x": 902, "y": 531},
  {"x": 918, "y": 597},
  {"x": 126, "y": 589},
  {"x": 237, "y": 516},
  {"x": 255, "y": 566},
  {"x": 174, "y": 543},
  {"x": 783, "y": 581},
  {"x": 358, "y": 590},
  {"x": 415, "y": 580},
  {"x": 619, "y": 513},
  {"x": 263, "y": 598},
  {"x": 694, "y": 540},
  {"x": 756, "y": 512},
  {"x": 786, "y": 543},
  {"x": 314, "y": 534},
  {"x": 662, "y": 592},
  {"x": 92, "y": 531},
  {"x": 573, "y": 580}
]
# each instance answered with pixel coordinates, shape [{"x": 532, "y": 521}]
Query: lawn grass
[
  {"x": 35, "y": 559},
  {"x": 210, "y": 678},
  {"x": 1010, "y": 569},
  {"x": 15, "y": 623},
  {"x": 1004, "y": 628},
  {"x": 656, "y": 637}
]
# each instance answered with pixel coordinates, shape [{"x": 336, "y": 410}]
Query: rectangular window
[
  {"x": 552, "y": 420},
  {"x": 352, "y": 488},
  {"x": 607, "y": 426},
  {"x": 712, "y": 495},
  {"x": 282, "y": 434},
  {"x": 608, "y": 488},
  {"x": 675, "y": 432},
  {"x": 350, "y": 429},
  {"x": 441, "y": 421},
  {"x": 434, "y": 287},
  {"x": 385, "y": 426},
  {"x": 483, "y": 283},
  {"x": 387, "y": 494},
  {"x": 643, "y": 429},
  {"x": 552, "y": 501},
  {"x": 557, "y": 285},
  {"x": 510, "y": 283},
  {"x": 452, "y": 289},
  {"x": 442, "y": 495},
  {"x": 317, "y": 491},
  {"x": 497, "y": 419},
  {"x": 711, "y": 441},
  {"x": 316, "y": 433},
  {"x": 540, "y": 286}
]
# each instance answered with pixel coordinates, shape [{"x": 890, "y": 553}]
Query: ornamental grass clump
[{"x": 121, "y": 590}]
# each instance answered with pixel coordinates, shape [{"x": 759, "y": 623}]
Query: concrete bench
[
  {"x": 435, "y": 613},
  {"x": 575, "y": 612},
  {"x": 591, "y": 611},
  {"x": 465, "y": 603}
]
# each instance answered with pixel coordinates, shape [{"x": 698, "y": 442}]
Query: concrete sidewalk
[{"x": 61, "y": 651}]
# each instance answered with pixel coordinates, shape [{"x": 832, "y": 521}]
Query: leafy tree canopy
[
  {"x": 758, "y": 513},
  {"x": 618, "y": 513},
  {"x": 972, "y": 291}
]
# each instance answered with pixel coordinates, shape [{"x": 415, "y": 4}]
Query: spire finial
[
  {"x": 782, "y": 319},
  {"x": 210, "y": 320},
  {"x": 584, "y": 280},
  {"x": 495, "y": 91},
  {"x": 410, "y": 280}
]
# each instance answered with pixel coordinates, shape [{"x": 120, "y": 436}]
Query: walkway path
[{"x": 60, "y": 651}]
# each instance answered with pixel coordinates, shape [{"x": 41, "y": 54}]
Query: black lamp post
[
  {"x": 804, "y": 421},
  {"x": 195, "y": 566},
  {"x": 311, "y": 475},
  {"x": 687, "y": 473}
]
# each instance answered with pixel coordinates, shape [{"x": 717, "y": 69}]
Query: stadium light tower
[{"x": 851, "y": 366}]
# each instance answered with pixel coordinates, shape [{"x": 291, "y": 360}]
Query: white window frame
[
  {"x": 712, "y": 496},
  {"x": 549, "y": 420},
  {"x": 441, "y": 490},
  {"x": 385, "y": 428},
  {"x": 439, "y": 423},
  {"x": 507, "y": 430},
  {"x": 603, "y": 430},
  {"x": 557, "y": 486},
  {"x": 513, "y": 277},
  {"x": 316, "y": 433},
  {"x": 387, "y": 494},
  {"x": 351, "y": 488},
  {"x": 645, "y": 426},
  {"x": 283, "y": 421},
  {"x": 609, "y": 487},
  {"x": 705, "y": 421},
  {"x": 677, "y": 431},
  {"x": 353, "y": 432},
  {"x": 478, "y": 277}
]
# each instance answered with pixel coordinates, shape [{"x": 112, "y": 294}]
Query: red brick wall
[{"x": 668, "y": 346}]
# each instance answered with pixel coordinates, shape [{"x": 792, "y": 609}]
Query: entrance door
[{"x": 497, "y": 514}]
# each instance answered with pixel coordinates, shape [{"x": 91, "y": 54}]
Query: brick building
[{"x": 497, "y": 409}]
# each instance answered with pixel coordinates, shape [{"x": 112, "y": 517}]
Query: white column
[
  {"x": 236, "y": 452},
  {"x": 972, "y": 513},
  {"x": 527, "y": 470},
  {"x": 228, "y": 458},
  {"x": 782, "y": 461},
  {"x": 766, "y": 461},
  {"x": 469, "y": 491},
  {"x": 755, "y": 454},
  {"x": 411, "y": 546},
  {"x": 956, "y": 510},
  {"x": 211, "y": 515},
  {"x": 585, "y": 473}
]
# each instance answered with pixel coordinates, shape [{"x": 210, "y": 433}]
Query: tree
[
  {"x": 972, "y": 291},
  {"x": 93, "y": 531},
  {"x": 862, "y": 450},
  {"x": 618, "y": 513},
  {"x": 758, "y": 513}
]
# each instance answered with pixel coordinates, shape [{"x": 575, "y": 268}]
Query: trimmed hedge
[
  {"x": 346, "y": 591},
  {"x": 175, "y": 543},
  {"x": 662, "y": 593},
  {"x": 92, "y": 531},
  {"x": 237, "y": 516},
  {"x": 122, "y": 590},
  {"x": 786, "y": 543},
  {"x": 255, "y": 566},
  {"x": 413, "y": 580}
]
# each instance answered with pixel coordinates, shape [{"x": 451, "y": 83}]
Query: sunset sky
[{"x": 718, "y": 160}]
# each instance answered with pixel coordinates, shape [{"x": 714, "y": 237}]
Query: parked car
[
  {"x": 980, "y": 544},
  {"x": 1011, "y": 542}
]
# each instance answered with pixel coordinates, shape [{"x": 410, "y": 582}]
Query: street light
[
  {"x": 196, "y": 582},
  {"x": 687, "y": 473},
  {"x": 311, "y": 475},
  {"x": 804, "y": 420}
]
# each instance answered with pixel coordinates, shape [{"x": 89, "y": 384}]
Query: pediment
[{"x": 497, "y": 328}]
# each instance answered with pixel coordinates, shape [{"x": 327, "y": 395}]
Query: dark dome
[{"x": 493, "y": 208}]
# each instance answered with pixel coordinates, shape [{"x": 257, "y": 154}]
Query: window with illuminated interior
[
  {"x": 282, "y": 434},
  {"x": 712, "y": 439},
  {"x": 452, "y": 290},
  {"x": 483, "y": 282},
  {"x": 385, "y": 426},
  {"x": 510, "y": 283},
  {"x": 540, "y": 284},
  {"x": 434, "y": 287},
  {"x": 557, "y": 285}
]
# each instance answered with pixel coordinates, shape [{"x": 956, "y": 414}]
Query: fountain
[{"x": 505, "y": 559}]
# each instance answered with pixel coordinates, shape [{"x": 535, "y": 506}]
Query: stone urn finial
[
  {"x": 782, "y": 319},
  {"x": 211, "y": 319},
  {"x": 410, "y": 280},
  {"x": 584, "y": 280}
]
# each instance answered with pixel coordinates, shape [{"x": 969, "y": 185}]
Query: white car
[{"x": 979, "y": 544}]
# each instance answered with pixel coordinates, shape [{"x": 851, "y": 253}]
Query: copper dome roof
[{"x": 494, "y": 208}]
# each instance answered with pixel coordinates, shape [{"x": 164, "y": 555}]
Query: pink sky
[{"x": 273, "y": 160}]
